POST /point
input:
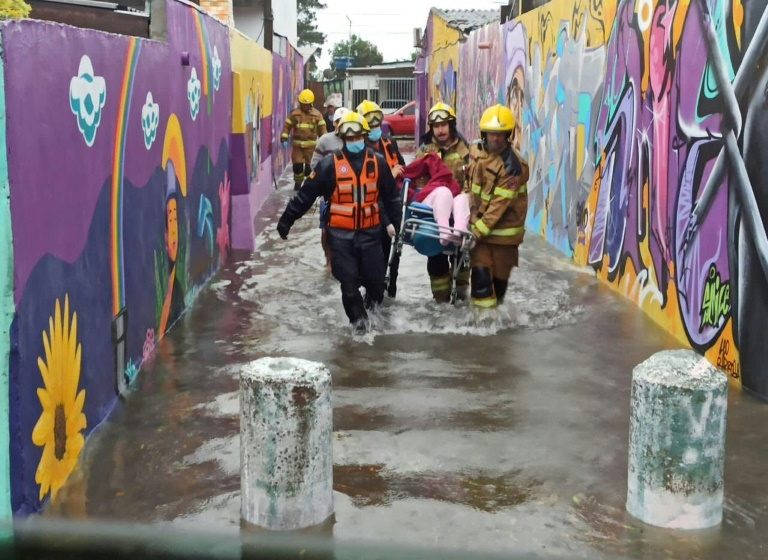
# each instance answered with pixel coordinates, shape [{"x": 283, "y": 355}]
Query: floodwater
[{"x": 504, "y": 432}]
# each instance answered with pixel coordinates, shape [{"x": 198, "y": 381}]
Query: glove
[
  {"x": 284, "y": 143},
  {"x": 283, "y": 229}
]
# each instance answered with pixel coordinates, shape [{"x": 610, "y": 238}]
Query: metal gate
[{"x": 395, "y": 92}]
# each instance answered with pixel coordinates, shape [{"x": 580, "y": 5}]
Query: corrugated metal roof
[{"x": 467, "y": 20}]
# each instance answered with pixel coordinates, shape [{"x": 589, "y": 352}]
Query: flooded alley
[{"x": 504, "y": 434}]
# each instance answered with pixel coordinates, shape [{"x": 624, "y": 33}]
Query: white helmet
[{"x": 340, "y": 112}]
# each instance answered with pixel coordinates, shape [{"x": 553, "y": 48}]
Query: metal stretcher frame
[{"x": 458, "y": 253}]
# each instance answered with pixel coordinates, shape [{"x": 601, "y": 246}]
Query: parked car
[
  {"x": 403, "y": 121},
  {"x": 389, "y": 106}
]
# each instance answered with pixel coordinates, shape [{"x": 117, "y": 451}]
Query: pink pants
[{"x": 443, "y": 204}]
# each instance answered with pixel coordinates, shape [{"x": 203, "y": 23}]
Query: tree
[
  {"x": 306, "y": 24},
  {"x": 364, "y": 53},
  {"x": 14, "y": 9},
  {"x": 416, "y": 53}
]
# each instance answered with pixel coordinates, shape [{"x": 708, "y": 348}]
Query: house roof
[
  {"x": 385, "y": 66},
  {"x": 467, "y": 20}
]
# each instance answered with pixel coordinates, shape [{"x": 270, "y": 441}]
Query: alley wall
[
  {"x": 130, "y": 163},
  {"x": 620, "y": 116}
]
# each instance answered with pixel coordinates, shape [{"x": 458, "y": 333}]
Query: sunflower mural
[{"x": 59, "y": 429}]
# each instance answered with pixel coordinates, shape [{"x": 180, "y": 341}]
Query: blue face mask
[
  {"x": 356, "y": 147},
  {"x": 375, "y": 134}
]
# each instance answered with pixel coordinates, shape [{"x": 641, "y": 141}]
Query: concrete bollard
[
  {"x": 677, "y": 441},
  {"x": 286, "y": 456}
]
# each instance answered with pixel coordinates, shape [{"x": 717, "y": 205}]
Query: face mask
[
  {"x": 374, "y": 135},
  {"x": 356, "y": 147}
]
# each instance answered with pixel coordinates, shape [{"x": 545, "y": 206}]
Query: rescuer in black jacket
[{"x": 363, "y": 199}]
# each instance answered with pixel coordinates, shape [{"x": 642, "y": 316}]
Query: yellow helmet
[
  {"x": 306, "y": 97},
  {"x": 371, "y": 111},
  {"x": 441, "y": 112},
  {"x": 497, "y": 119},
  {"x": 352, "y": 124}
]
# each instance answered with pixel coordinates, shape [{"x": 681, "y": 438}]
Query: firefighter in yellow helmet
[
  {"x": 359, "y": 186},
  {"x": 387, "y": 147},
  {"x": 443, "y": 139},
  {"x": 305, "y": 124},
  {"x": 496, "y": 178}
]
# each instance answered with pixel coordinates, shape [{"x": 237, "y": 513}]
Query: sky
[{"x": 388, "y": 24}]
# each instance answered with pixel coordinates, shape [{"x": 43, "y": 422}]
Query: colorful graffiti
[
  {"x": 106, "y": 247},
  {"x": 250, "y": 166},
  {"x": 481, "y": 81},
  {"x": 642, "y": 122}
]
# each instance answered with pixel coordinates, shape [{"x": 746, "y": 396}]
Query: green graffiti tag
[{"x": 716, "y": 302}]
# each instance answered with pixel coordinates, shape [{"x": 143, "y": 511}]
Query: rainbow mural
[
  {"x": 205, "y": 56},
  {"x": 118, "y": 165}
]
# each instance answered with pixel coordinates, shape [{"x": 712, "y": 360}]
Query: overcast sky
[{"x": 388, "y": 24}]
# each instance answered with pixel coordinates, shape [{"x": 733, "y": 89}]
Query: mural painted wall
[
  {"x": 6, "y": 309},
  {"x": 250, "y": 166},
  {"x": 441, "y": 45},
  {"x": 642, "y": 122},
  {"x": 481, "y": 80},
  {"x": 287, "y": 82},
  {"x": 120, "y": 213}
]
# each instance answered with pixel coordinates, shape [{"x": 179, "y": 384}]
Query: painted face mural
[{"x": 172, "y": 228}]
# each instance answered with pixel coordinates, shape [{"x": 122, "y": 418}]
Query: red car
[{"x": 403, "y": 121}]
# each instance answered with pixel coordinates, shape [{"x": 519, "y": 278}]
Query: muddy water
[{"x": 497, "y": 432}]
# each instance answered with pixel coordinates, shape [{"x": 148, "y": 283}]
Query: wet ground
[{"x": 489, "y": 434}]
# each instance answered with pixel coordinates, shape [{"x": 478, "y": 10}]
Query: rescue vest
[
  {"x": 389, "y": 152},
  {"x": 355, "y": 200}
]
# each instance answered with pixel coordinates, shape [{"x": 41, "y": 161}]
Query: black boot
[{"x": 500, "y": 288}]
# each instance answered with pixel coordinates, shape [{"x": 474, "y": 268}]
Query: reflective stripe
[
  {"x": 509, "y": 193},
  {"x": 305, "y": 125},
  {"x": 478, "y": 190},
  {"x": 288, "y": 121},
  {"x": 486, "y": 303},
  {"x": 440, "y": 283},
  {"x": 452, "y": 155},
  {"x": 507, "y": 232},
  {"x": 481, "y": 227},
  {"x": 305, "y": 143}
]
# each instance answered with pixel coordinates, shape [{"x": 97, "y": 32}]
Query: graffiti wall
[
  {"x": 481, "y": 80},
  {"x": 665, "y": 217},
  {"x": 641, "y": 122},
  {"x": 250, "y": 165},
  {"x": 287, "y": 82},
  {"x": 441, "y": 45},
  {"x": 120, "y": 213}
]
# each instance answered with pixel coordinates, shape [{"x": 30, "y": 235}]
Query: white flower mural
[
  {"x": 194, "y": 89},
  {"x": 87, "y": 95},
  {"x": 216, "y": 65},
  {"x": 150, "y": 120}
]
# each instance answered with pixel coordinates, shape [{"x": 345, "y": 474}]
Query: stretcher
[{"x": 419, "y": 229}]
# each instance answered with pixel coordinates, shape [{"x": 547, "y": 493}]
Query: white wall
[{"x": 250, "y": 20}]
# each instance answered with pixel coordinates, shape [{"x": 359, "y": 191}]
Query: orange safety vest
[
  {"x": 389, "y": 153},
  {"x": 355, "y": 200}
]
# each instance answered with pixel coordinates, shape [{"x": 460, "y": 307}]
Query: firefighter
[
  {"x": 387, "y": 147},
  {"x": 362, "y": 194},
  {"x": 496, "y": 177},
  {"x": 444, "y": 140},
  {"x": 306, "y": 125}
]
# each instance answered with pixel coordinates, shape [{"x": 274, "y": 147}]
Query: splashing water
[{"x": 292, "y": 289}]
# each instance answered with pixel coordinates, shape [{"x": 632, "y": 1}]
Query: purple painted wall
[{"x": 118, "y": 158}]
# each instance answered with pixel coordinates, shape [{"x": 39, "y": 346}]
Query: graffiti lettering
[
  {"x": 716, "y": 302},
  {"x": 725, "y": 362}
]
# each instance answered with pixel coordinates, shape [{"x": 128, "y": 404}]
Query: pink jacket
[{"x": 439, "y": 175}]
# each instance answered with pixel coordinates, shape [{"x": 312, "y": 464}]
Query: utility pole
[{"x": 349, "y": 44}]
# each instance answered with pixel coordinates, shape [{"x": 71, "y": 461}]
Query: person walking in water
[
  {"x": 304, "y": 125},
  {"x": 359, "y": 186}
]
